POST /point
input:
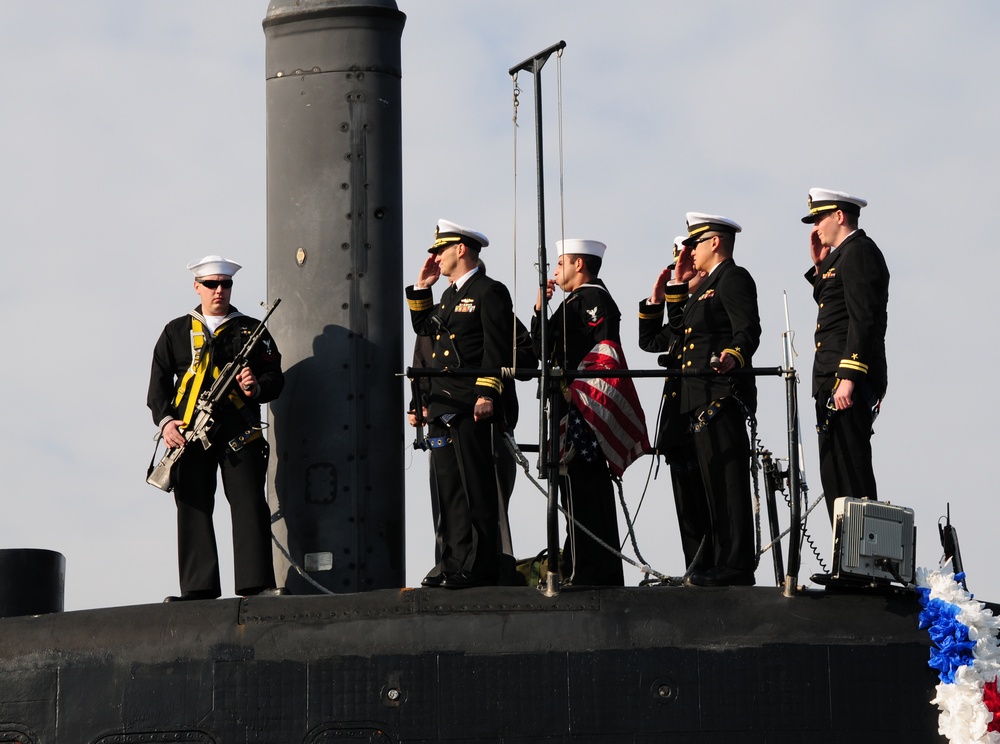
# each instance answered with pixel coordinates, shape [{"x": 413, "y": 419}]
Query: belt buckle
[{"x": 239, "y": 442}]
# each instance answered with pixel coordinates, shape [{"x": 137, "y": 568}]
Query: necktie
[{"x": 448, "y": 298}]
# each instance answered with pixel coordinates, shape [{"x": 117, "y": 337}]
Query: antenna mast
[{"x": 795, "y": 475}]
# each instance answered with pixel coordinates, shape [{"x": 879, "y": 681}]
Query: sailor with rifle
[{"x": 211, "y": 370}]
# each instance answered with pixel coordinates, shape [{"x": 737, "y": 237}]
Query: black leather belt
[
  {"x": 237, "y": 443},
  {"x": 705, "y": 415}
]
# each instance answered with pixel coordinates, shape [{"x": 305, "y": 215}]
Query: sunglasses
[{"x": 216, "y": 283}]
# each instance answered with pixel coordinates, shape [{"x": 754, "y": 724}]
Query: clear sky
[{"x": 133, "y": 142}]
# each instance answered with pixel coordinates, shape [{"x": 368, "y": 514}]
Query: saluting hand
[
  {"x": 659, "y": 288},
  {"x": 817, "y": 250},
  {"x": 550, "y": 288},
  {"x": 684, "y": 271},
  {"x": 429, "y": 273}
]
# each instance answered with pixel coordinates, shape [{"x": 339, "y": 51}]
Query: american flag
[{"x": 611, "y": 408}]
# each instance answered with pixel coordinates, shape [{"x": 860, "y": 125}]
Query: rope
[
  {"x": 562, "y": 182},
  {"x": 789, "y": 529},
  {"x": 806, "y": 537},
  {"x": 526, "y": 467},
  {"x": 654, "y": 461},
  {"x": 756, "y": 449},
  {"x": 755, "y": 468},
  {"x": 755, "y": 465},
  {"x": 645, "y": 567},
  {"x": 654, "y": 464},
  {"x": 628, "y": 522},
  {"x": 562, "y": 162},
  {"x": 570, "y": 517},
  {"x": 298, "y": 569},
  {"x": 516, "y": 93}
]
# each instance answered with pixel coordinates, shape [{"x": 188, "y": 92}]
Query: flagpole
[{"x": 548, "y": 457}]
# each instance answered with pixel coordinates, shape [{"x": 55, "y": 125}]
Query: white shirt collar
[
  {"x": 711, "y": 270},
  {"x": 842, "y": 241},
  {"x": 460, "y": 282}
]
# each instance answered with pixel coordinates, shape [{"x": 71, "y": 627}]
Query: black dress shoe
[
  {"x": 267, "y": 591},
  {"x": 467, "y": 580},
  {"x": 432, "y": 580},
  {"x": 721, "y": 576},
  {"x": 188, "y": 596}
]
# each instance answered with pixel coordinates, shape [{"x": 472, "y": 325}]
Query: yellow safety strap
[{"x": 201, "y": 367}]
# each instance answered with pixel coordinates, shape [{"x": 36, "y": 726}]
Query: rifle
[{"x": 161, "y": 476}]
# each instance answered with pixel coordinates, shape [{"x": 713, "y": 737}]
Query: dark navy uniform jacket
[
  {"x": 720, "y": 316},
  {"x": 173, "y": 357},
  {"x": 591, "y": 317},
  {"x": 654, "y": 337},
  {"x": 470, "y": 327},
  {"x": 851, "y": 289}
]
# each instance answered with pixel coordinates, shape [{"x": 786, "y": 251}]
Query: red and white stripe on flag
[{"x": 610, "y": 406}]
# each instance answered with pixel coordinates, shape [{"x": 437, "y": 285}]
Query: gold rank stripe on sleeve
[
  {"x": 854, "y": 364},
  {"x": 420, "y": 305},
  {"x": 490, "y": 382},
  {"x": 651, "y": 316},
  {"x": 735, "y": 353},
  {"x": 675, "y": 293}
]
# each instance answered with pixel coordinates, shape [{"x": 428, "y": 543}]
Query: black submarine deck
[{"x": 639, "y": 664}]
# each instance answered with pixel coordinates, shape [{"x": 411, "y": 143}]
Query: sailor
[
  {"x": 719, "y": 325},
  {"x": 850, "y": 282},
  {"x": 506, "y": 465},
  {"x": 587, "y": 316},
  {"x": 189, "y": 354},
  {"x": 472, "y": 326},
  {"x": 674, "y": 440}
]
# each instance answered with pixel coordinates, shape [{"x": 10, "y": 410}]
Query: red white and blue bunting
[{"x": 965, "y": 654}]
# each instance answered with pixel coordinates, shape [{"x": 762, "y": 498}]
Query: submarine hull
[{"x": 482, "y": 665}]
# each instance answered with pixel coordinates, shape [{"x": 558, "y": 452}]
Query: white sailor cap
[
  {"x": 577, "y": 247},
  {"x": 212, "y": 265},
  {"x": 699, "y": 222},
  {"x": 678, "y": 245},
  {"x": 448, "y": 232},
  {"x": 824, "y": 200}
]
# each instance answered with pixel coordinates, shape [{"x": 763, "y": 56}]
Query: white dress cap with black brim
[
  {"x": 825, "y": 200},
  {"x": 213, "y": 266},
  {"x": 578, "y": 247},
  {"x": 699, "y": 223},
  {"x": 448, "y": 232}
]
